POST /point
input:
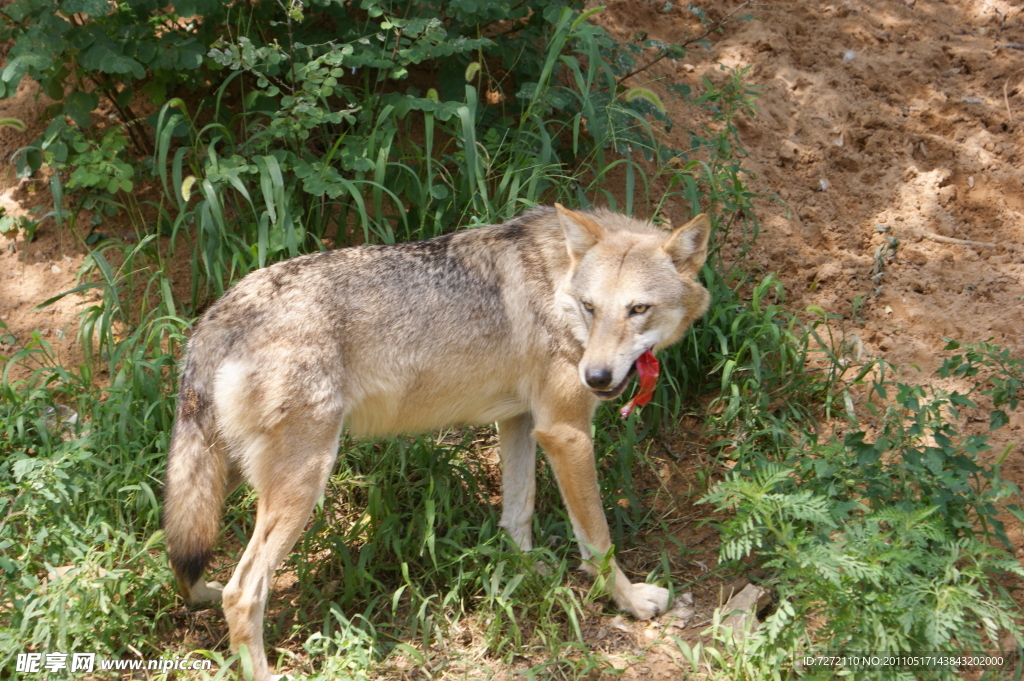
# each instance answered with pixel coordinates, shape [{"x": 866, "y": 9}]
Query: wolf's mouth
[{"x": 617, "y": 390}]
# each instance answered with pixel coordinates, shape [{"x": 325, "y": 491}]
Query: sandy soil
[{"x": 877, "y": 119}]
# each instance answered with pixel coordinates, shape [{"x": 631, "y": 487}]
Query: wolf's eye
[
  {"x": 587, "y": 306},
  {"x": 639, "y": 309}
]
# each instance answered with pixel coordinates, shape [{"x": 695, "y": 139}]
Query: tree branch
[{"x": 703, "y": 35}]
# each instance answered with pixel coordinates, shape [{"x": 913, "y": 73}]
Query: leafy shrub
[
  {"x": 79, "y": 517},
  {"x": 885, "y": 543}
]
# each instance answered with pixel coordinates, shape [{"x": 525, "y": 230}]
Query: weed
[{"x": 882, "y": 545}]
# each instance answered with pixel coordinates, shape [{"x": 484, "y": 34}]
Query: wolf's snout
[{"x": 598, "y": 378}]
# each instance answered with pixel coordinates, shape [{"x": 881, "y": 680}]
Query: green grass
[{"x": 403, "y": 564}]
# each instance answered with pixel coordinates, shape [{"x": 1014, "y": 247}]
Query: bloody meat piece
[{"x": 647, "y": 368}]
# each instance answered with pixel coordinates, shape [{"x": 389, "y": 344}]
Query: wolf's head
[{"x": 631, "y": 288}]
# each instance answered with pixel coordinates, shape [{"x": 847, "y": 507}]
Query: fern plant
[{"x": 885, "y": 546}]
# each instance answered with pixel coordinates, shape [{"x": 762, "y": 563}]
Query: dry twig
[
  {"x": 950, "y": 240},
  {"x": 1006, "y": 97},
  {"x": 664, "y": 53}
]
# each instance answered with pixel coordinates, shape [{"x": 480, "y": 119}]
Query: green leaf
[
  {"x": 8, "y": 226},
  {"x": 146, "y": 52},
  {"x": 79, "y": 106},
  {"x": 14, "y": 72},
  {"x": 54, "y": 88},
  {"x": 124, "y": 97},
  {"x": 106, "y": 57},
  {"x": 190, "y": 55},
  {"x": 998, "y": 419},
  {"x": 59, "y": 151},
  {"x": 94, "y": 8},
  {"x": 29, "y": 162}
]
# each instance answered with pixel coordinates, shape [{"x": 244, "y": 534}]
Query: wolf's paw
[
  {"x": 522, "y": 534},
  {"x": 642, "y": 601},
  {"x": 205, "y": 592}
]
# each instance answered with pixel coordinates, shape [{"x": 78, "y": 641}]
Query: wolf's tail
[{"x": 197, "y": 480}]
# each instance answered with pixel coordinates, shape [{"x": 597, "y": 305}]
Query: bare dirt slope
[{"x": 881, "y": 113}]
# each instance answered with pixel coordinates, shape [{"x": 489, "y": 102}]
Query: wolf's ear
[
  {"x": 580, "y": 231},
  {"x": 688, "y": 245}
]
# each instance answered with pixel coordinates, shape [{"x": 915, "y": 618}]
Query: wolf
[{"x": 527, "y": 324}]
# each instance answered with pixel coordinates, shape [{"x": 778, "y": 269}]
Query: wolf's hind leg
[
  {"x": 518, "y": 478},
  {"x": 289, "y": 467}
]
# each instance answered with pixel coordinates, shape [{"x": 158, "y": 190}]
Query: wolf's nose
[{"x": 599, "y": 378}]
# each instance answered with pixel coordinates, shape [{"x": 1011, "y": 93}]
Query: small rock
[
  {"x": 55, "y": 269},
  {"x": 970, "y": 181},
  {"x": 681, "y": 612},
  {"x": 619, "y": 622},
  {"x": 915, "y": 255},
  {"x": 946, "y": 194},
  {"x": 788, "y": 151},
  {"x": 828, "y": 273},
  {"x": 741, "y": 611}
]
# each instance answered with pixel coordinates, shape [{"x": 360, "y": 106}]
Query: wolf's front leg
[
  {"x": 571, "y": 452},
  {"x": 518, "y": 478}
]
